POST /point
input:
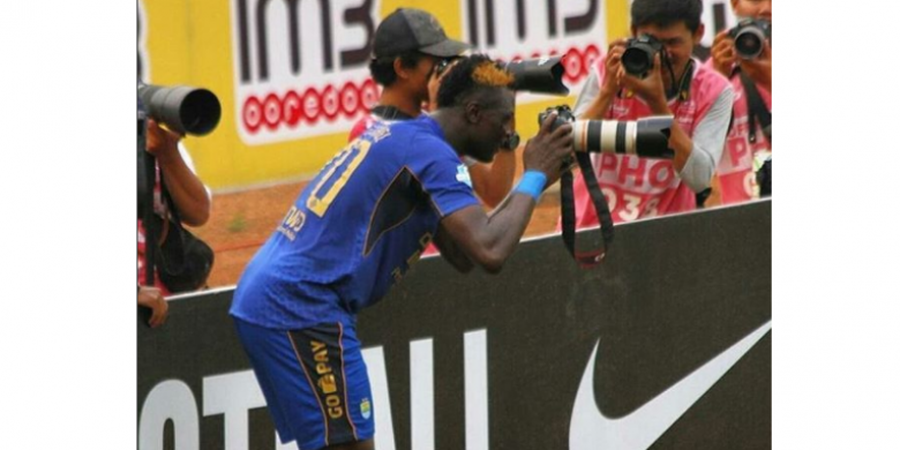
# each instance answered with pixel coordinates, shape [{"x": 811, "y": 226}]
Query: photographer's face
[
  {"x": 490, "y": 125},
  {"x": 757, "y": 9},
  {"x": 677, "y": 40},
  {"x": 414, "y": 80}
]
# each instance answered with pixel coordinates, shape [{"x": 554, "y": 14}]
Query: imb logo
[
  {"x": 301, "y": 66},
  {"x": 521, "y": 29}
]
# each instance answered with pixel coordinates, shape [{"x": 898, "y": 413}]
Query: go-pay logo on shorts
[
  {"x": 326, "y": 381},
  {"x": 301, "y": 66}
]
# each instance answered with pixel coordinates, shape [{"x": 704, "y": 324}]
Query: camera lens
[
  {"x": 749, "y": 43},
  {"x": 637, "y": 60}
]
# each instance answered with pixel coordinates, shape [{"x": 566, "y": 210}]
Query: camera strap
[
  {"x": 757, "y": 109},
  {"x": 586, "y": 259},
  {"x": 387, "y": 112}
]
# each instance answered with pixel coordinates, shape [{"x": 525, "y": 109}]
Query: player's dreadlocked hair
[{"x": 468, "y": 76}]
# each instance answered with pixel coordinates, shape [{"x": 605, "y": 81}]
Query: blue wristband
[{"x": 532, "y": 183}]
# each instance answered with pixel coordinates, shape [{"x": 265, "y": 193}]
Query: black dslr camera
[
  {"x": 647, "y": 137},
  {"x": 749, "y": 36},
  {"x": 639, "y": 53}
]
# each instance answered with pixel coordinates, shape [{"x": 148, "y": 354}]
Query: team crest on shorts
[
  {"x": 462, "y": 175},
  {"x": 365, "y": 408}
]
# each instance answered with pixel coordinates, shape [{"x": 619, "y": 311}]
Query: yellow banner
[{"x": 292, "y": 75}]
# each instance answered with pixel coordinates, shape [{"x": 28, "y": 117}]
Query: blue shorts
[{"x": 314, "y": 381}]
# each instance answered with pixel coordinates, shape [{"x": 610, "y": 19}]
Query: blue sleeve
[{"x": 444, "y": 176}]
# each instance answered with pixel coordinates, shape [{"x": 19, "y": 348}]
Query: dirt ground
[{"x": 241, "y": 222}]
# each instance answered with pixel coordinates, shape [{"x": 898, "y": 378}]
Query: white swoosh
[{"x": 590, "y": 429}]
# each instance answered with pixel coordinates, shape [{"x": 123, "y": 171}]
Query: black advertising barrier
[{"x": 665, "y": 345}]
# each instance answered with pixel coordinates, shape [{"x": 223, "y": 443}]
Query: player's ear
[{"x": 473, "y": 112}]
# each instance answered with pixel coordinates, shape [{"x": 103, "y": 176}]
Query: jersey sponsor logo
[
  {"x": 463, "y": 176},
  {"x": 365, "y": 408},
  {"x": 326, "y": 381},
  {"x": 292, "y": 223},
  {"x": 590, "y": 429}
]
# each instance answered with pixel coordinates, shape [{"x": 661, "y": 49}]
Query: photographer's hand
[
  {"x": 722, "y": 53},
  {"x": 161, "y": 143},
  {"x": 651, "y": 89},
  {"x": 434, "y": 82},
  {"x": 187, "y": 190},
  {"x": 760, "y": 69},
  {"x": 609, "y": 83},
  {"x": 547, "y": 150},
  {"x": 151, "y": 297}
]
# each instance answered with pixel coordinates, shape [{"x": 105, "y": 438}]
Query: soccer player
[{"x": 354, "y": 232}]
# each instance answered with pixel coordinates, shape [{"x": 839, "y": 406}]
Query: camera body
[
  {"x": 639, "y": 53},
  {"x": 647, "y": 137},
  {"x": 564, "y": 115},
  {"x": 749, "y": 36}
]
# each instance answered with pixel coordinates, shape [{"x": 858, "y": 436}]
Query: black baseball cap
[{"x": 408, "y": 29}]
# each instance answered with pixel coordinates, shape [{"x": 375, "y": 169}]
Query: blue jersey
[{"x": 356, "y": 228}]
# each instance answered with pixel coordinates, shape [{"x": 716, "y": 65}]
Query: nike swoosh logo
[{"x": 590, "y": 429}]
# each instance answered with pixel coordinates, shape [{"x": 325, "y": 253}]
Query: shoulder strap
[
  {"x": 757, "y": 109},
  {"x": 171, "y": 250},
  {"x": 151, "y": 230},
  {"x": 390, "y": 113}
]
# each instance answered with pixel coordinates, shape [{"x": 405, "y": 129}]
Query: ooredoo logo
[{"x": 301, "y": 67}]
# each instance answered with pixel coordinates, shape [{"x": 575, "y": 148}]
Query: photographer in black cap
[{"x": 410, "y": 49}]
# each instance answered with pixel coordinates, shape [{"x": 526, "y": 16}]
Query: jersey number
[{"x": 349, "y": 159}]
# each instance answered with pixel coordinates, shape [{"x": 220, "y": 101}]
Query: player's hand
[
  {"x": 547, "y": 150},
  {"x": 651, "y": 88},
  {"x": 722, "y": 53},
  {"x": 151, "y": 297},
  {"x": 161, "y": 142}
]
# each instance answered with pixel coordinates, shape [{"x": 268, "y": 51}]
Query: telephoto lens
[
  {"x": 539, "y": 75},
  {"x": 647, "y": 137},
  {"x": 184, "y": 109}
]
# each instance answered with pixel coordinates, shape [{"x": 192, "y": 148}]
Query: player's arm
[
  {"x": 489, "y": 240},
  {"x": 451, "y": 252},
  {"x": 493, "y": 181}
]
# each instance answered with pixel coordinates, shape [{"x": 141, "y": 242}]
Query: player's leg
[{"x": 331, "y": 359}]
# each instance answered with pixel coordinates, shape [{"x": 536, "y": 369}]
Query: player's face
[
  {"x": 678, "y": 42},
  {"x": 757, "y": 9},
  {"x": 495, "y": 123}
]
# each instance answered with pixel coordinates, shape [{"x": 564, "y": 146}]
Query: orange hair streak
[{"x": 487, "y": 73}]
